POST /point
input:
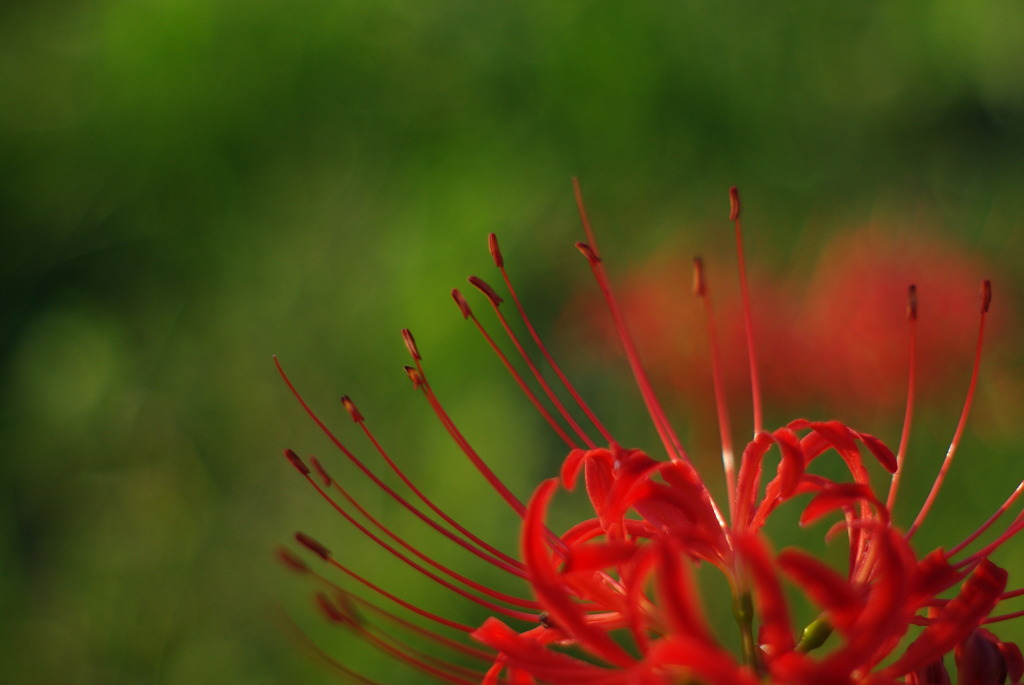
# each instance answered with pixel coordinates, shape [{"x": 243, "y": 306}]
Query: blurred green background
[{"x": 191, "y": 187}]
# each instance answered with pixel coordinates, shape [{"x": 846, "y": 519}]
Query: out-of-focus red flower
[
  {"x": 834, "y": 336},
  {"x": 614, "y": 598},
  {"x": 852, "y": 313}
]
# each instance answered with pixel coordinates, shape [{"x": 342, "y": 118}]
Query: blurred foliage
[{"x": 190, "y": 187}]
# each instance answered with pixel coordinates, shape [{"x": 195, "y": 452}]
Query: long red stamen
[
  {"x": 432, "y": 635},
  {"x": 304, "y": 540},
  {"x": 419, "y": 380},
  {"x": 321, "y": 551},
  {"x": 479, "y": 587},
  {"x": 324, "y": 554},
  {"x": 500, "y": 263},
  {"x": 394, "y": 648},
  {"x": 908, "y": 414},
  {"x": 700, "y": 289},
  {"x": 508, "y": 564},
  {"x": 467, "y": 313},
  {"x": 297, "y": 564},
  {"x": 329, "y": 661},
  {"x": 748, "y": 326},
  {"x": 349, "y": 615},
  {"x": 481, "y": 285},
  {"x": 398, "y": 649},
  {"x": 1014, "y": 528},
  {"x": 500, "y": 559},
  {"x": 986, "y": 300},
  {"x": 668, "y": 437},
  {"x": 1003, "y": 617},
  {"x": 992, "y": 519}
]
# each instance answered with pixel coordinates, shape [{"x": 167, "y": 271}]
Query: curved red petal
[
  {"x": 551, "y": 589},
  {"x": 531, "y": 655},
  {"x": 962, "y": 614},
  {"x": 709, "y": 664},
  {"x": 679, "y": 599},
  {"x": 776, "y": 631},
  {"x": 881, "y": 451},
  {"x": 839, "y": 495},
  {"x": 827, "y": 588},
  {"x": 750, "y": 477}
]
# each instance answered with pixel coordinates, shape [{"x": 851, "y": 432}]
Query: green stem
[{"x": 743, "y": 611}]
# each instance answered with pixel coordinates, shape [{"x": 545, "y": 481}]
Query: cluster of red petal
[
  {"x": 632, "y": 575},
  {"x": 614, "y": 599}
]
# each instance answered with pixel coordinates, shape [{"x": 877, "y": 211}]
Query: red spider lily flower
[{"x": 616, "y": 599}]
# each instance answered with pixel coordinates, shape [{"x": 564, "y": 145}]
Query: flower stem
[{"x": 743, "y": 611}]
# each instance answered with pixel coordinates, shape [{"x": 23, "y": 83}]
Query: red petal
[
  {"x": 600, "y": 480},
  {"x": 533, "y": 656},
  {"x": 839, "y": 495},
  {"x": 710, "y": 664},
  {"x": 791, "y": 467},
  {"x": 679, "y": 598},
  {"x": 886, "y": 616},
  {"x": 841, "y": 438},
  {"x": 829, "y": 590},
  {"x": 632, "y": 467},
  {"x": 978, "y": 596},
  {"x": 881, "y": 451},
  {"x": 597, "y": 556},
  {"x": 933, "y": 575},
  {"x": 571, "y": 467},
  {"x": 551, "y": 588},
  {"x": 750, "y": 477},
  {"x": 776, "y": 632}
]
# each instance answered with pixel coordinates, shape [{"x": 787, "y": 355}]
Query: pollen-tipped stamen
[
  {"x": 673, "y": 446},
  {"x": 420, "y": 383},
  {"x": 908, "y": 415},
  {"x": 748, "y": 325},
  {"x": 486, "y": 551},
  {"x": 499, "y": 261},
  {"x": 986, "y": 300},
  {"x": 700, "y": 289},
  {"x": 375, "y": 522},
  {"x": 505, "y": 561},
  {"x": 408, "y": 606},
  {"x": 516, "y": 376},
  {"x": 323, "y": 553},
  {"x": 548, "y": 391}
]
